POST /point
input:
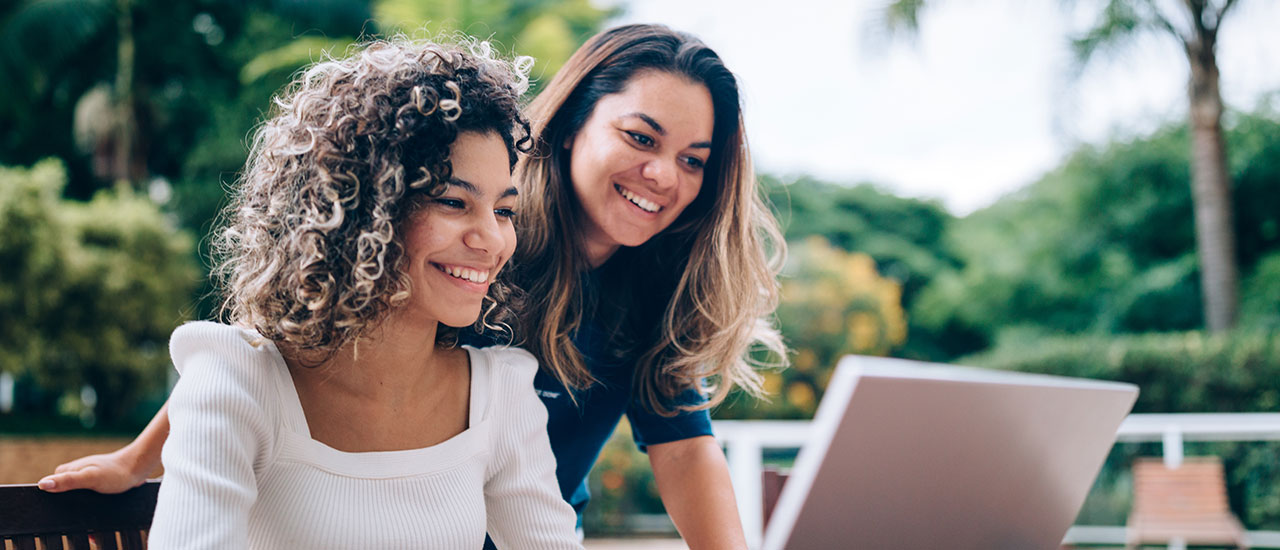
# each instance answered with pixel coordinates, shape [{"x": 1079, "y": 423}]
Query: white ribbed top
[{"x": 241, "y": 469}]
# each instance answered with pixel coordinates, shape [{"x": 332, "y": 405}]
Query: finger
[{"x": 86, "y": 478}]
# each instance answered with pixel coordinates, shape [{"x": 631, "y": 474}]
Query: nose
[
  {"x": 662, "y": 172},
  {"x": 485, "y": 234}
]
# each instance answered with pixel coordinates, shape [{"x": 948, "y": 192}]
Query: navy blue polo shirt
[{"x": 578, "y": 431}]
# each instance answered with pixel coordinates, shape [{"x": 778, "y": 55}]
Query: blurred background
[{"x": 1013, "y": 184}]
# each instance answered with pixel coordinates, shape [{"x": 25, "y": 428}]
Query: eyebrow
[
  {"x": 663, "y": 131},
  {"x": 471, "y": 188}
]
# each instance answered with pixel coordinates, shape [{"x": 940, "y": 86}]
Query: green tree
[
  {"x": 89, "y": 291},
  {"x": 1194, "y": 24},
  {"x": 548, "y": 30},
  {"x": 1106, "y": 243},
  {"x": 905, "y": 236},
  {"x": 131, "y": 76}
]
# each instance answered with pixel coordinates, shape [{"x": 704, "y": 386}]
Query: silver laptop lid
[{"x": 919, "y": 456}]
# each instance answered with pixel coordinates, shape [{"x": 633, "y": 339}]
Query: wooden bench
[
  {"x": 75, "y": 520},
  {"x": 1182, "y": 506}
]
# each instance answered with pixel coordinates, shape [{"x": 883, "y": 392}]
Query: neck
[{"x": 387, "y": 363}]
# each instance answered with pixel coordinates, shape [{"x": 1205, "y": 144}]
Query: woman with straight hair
[{"x": 648, "y": 263}]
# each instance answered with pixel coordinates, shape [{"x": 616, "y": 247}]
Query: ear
[{"x": 568, "y": 141}]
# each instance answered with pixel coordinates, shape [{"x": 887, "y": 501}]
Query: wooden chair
[
  {"x": 772, "y": 481},
  {"x": 1186, "y": 504},
  {"x": 76, "y": 520}
]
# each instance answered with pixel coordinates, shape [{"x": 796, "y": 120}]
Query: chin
[
  {"x": 460, "y": 323},
  {"x": 633, "y": 238},
  {"x": 464, "y": 319}
]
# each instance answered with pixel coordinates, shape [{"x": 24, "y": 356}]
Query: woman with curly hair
[
  {"x": 649, "y": 263},
  {"x": 374, "y": 218}
]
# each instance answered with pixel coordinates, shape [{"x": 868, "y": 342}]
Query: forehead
[
  {"x": 481, "y": 159},
  {"x": 680, "y": 105}
]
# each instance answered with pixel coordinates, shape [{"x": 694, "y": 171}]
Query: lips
[{"x": 644, "y": 204}]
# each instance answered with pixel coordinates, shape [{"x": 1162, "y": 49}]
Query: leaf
[{"x": 41, "y": 35}]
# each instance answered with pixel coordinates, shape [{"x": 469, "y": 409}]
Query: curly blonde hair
[{"x": 312, "y": 254}]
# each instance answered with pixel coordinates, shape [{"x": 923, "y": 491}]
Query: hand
[{"x": 115, "y": 472}]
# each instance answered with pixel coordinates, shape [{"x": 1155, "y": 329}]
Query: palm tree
[
  {"x": 39, "y": 38},
  {"x": 44, "y": 45},
  {"x": 1194, "y": 24}
]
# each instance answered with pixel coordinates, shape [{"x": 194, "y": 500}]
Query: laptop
[{"x": 921, "y": 456}]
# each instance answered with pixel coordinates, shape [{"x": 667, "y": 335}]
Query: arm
[
  {"x": 523, "y": 500},
  {"x": 693, "y": 480},
  {"x": 117, "y": 471}
]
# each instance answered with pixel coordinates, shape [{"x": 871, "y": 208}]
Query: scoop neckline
[{"x": 297, "y": 445}]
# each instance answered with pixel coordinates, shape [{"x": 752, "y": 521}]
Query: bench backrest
[{"x": 68, "y": 520}]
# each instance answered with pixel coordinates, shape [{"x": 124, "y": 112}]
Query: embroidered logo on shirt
[{"x": 548, "y": 394}]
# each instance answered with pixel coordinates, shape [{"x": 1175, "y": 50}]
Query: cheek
[
  {"x": 510, "y": 236},
  {"x": 595, "y": 159},
  {"x": 692, "y": 187},
  {"x": 424, "y": 239}
]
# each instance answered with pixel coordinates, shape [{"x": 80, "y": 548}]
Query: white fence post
[
  {"x": 1172, "y": 446},
  {"x": 746, "y": 462}
]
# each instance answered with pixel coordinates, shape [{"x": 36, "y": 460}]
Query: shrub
[{"x": 89, "y": 292}]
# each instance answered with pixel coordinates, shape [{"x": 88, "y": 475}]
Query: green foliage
[
  {"x": 622, "y": 486},
  {"x": 1261, "y": 308},
  {"x": 204, "y": 71},
  {"x": 1255, "y": 171},
  {"x": 1178, "y": 372},
  {"x": 906, "y": 237},
  {"x": 903, "y": 16},
  {"x": 548, "y": 30},
  {"x": 1106, "y": 242},
  {"x": 89, "y": 291},
  {"x": 33, "y": 256},
  {"x": 40, "y": 37},
  {"x": 1115, "y": 27}
]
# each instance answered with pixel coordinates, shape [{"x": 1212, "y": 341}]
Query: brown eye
[
  {"x": 641, "y": 139},
  {"x": 451, "y": 203}
]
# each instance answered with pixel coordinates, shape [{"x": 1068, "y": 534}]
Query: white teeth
[
  {"x": 644, "y": 204},
  {"x": 473, "y": 275}
]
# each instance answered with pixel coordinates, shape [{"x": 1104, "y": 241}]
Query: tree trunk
[
  {"x": 1211, "y": 189},
  {"x": 125, "y": 168}
]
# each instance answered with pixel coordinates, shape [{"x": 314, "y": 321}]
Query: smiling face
[
  {"x": 638, "y": 160},
  {"x": 456, "y": 244}
]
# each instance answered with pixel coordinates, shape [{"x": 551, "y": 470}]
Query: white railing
[{"x": 745, "y": 440}]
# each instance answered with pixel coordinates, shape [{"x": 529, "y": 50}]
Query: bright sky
[{"x": 979, "y": 105}]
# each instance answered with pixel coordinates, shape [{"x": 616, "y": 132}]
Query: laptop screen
[{"x": 916, "y": 455}]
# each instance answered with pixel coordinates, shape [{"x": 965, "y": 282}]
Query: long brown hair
[{"x": 710, "y": 280}]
